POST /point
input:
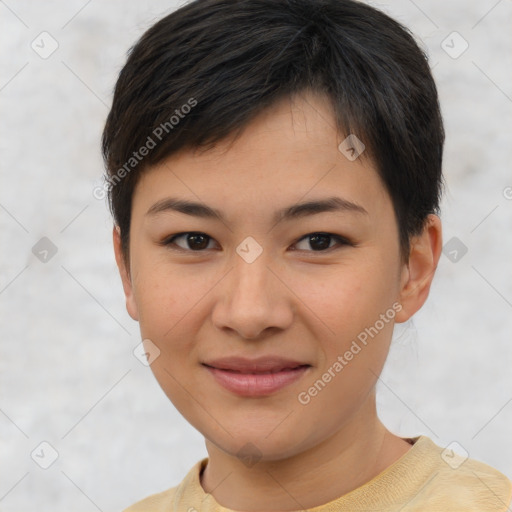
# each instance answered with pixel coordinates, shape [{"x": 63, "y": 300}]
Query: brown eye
[
  {"x": 322, "y": 241},
  {"x": 192, "y": 241}
]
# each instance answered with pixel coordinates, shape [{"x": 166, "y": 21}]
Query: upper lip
[{"x": 257, "y": 365}]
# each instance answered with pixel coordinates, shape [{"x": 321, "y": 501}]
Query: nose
[{"x": 252, "y": 300}]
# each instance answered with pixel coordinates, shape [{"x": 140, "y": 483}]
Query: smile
[{"x": 255, "y": 378}]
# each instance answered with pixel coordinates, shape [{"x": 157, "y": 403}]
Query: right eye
[{"x": 193, "y": 241}]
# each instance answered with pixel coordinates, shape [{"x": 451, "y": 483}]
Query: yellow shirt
[{"x": 423, "y": 479}]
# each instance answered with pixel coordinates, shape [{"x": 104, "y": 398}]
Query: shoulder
[
  {"x": 460, "y": 483},
  {"x": 176, "y": 498},
  {"x": 160, "y": 502}
]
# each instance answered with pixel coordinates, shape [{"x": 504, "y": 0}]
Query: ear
[
  {"x": 418, "y": 272},
  {"x": 131, "y": 305}
]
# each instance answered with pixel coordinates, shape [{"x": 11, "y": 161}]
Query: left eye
[{"x": 322, "y": 241}]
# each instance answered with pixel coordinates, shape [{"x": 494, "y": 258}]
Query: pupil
[
  {"x": 324, "y": 242},
  {"x": 202, "y": 245}
]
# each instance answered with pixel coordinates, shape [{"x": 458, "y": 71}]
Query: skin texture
[{"x": 292, "y": 301}]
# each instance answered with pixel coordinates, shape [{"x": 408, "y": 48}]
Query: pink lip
[{"x": 255, "y": 377}]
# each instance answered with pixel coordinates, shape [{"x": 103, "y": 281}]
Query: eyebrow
[{"x": 296, "y": 211}]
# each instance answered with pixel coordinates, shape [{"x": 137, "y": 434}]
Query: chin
[{"x": 256, "y": 446}]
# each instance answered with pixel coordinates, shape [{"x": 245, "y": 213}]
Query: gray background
[{"x": 68, "y": 375}]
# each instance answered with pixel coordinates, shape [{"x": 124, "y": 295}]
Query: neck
[{"x": 353, "y": 455}]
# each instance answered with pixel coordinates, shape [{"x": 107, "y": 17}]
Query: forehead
[{"x": 288, "y": 153}]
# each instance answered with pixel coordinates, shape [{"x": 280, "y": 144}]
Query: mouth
[
  {"x": 255, "y": 372},
  {"x": 256, "y": 377},
  {"x": 265, "y": 364}
]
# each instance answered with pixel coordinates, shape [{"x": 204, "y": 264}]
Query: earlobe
[
  {"x": 124, "y": 271},
  {"x": 418, "y": 273}
]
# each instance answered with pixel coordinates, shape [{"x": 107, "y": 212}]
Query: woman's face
[{"x": 289, "y": 289}]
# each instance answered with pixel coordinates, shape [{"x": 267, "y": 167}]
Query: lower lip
[{"x": 252, "y": 384}]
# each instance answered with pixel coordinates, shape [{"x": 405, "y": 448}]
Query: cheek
[
  {"x": 169, "y": 304},
  {"x": 158, "y": 305},
  {"x": 173, "y": 307},
  {"x": 361, "y": 317},
  {"x": 165, "y": 295},
  {"x": 348, "y": 298},
  {"x": 349, "y": 302}
]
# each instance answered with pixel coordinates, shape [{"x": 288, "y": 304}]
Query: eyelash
[{"x": 342, "y": 241}]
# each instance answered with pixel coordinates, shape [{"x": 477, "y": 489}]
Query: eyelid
[
  {"x": 342, "y": 241},
  {"x": 169, "y": 241}
]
